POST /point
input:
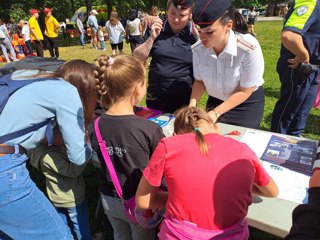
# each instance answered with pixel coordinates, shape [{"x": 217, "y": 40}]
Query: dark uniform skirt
[{"x": 247, "y": 114}]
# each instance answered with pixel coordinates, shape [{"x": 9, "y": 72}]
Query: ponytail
[
  {"x": 187, "y": 120},
  {"x": 201, "y": 142},
  {"x": 239, "y": 23}
]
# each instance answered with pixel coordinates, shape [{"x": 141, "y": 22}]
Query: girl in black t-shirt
[{"x": 130, "y": 140}]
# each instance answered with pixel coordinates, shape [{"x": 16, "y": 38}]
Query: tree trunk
[
  {"x": 275, "y": 8},
  {"x": 149, "y": 5},
  {"x": 269, "y": 8},
  {"x": 109, "y": 6},
  {"x": 72, "y": 6},
  {"x": 40, "y": 5},
  {"x": 89, "y": 6}
]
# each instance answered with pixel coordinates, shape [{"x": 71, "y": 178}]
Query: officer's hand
[
  {"x": 156, "y": 28},
  {"x": 295, "y": 62},
  {"x": 213, "y": 116}
]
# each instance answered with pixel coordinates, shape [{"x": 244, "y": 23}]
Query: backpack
[{"x": 9, "y": 87}]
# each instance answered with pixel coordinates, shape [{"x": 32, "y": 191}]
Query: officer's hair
[
  {"x": 239, "y": 23},
  {"x": 187, "y": 121},
  {"x": 115, "y": 77}
]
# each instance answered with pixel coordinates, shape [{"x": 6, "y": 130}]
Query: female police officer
[
  {"x": 228, "y": 63},
  {"x": 169, "y": 45}
]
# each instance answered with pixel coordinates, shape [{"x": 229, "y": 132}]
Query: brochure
[
  {"x": 146, "y": 112},
  {"x": 297, "y": 155}
]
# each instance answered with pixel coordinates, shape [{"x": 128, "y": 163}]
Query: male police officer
[{"x": 300, "y": 44}]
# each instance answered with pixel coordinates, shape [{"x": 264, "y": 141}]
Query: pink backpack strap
[{"x": 106, "y": 157}]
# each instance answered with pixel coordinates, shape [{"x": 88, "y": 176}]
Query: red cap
[
  {"x": 34, "y": 11},
  {"x": 46, "y": 10}
]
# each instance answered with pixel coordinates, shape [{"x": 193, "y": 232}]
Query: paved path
[{"x": 261, "y": 18}]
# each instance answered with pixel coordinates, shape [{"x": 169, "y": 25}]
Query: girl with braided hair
[
  {"x": 210, "y": 180},
  {"x": 130, "y": 140}
]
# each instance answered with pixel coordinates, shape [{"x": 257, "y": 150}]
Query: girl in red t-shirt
[{"x": 210, "y": 178}]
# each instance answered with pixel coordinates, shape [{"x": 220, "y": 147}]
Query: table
[{"x": 272, "y": 215}]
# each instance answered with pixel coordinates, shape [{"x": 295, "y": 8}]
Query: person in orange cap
[
  {"x": 51, "y": 32},
  {"x": 35, "y": 31}
]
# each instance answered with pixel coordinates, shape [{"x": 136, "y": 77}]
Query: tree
[
  {"x": 272, "y": 8},
  {"x": 246, "y": 3},
  {"x": 89, "y": 6}
]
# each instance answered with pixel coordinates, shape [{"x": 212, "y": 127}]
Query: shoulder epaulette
[
  {"x": 245, "y": 45},
  {"x": 197, "y": 44}
]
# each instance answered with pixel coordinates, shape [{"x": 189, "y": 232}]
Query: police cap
[
  {"x": 206, "y": 12},
  {"x": 182, "y": 4}
]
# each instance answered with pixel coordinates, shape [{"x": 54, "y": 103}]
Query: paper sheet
[
  {"x": 292, "y": 185},
  {"x": 256, "y": 140}
]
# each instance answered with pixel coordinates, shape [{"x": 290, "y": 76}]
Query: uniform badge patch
[{"x": 302, "y": 10}]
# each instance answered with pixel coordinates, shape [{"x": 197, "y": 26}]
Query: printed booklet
[{"x": 297, "y": 155}]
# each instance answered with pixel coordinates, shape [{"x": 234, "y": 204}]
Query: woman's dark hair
[
  {"x": 239, "y": 23},
  {"x": 81, "y": 75},
  {"x": 133, "y": 14}
]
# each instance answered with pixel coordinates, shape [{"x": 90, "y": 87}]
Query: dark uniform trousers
[
  {"x": 296, "y": 100},
  {"x": 247, "y": 114}
]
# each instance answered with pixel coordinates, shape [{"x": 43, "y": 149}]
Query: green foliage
[
  {"x": 246, "y": 3},
  {"x": 17, "y": 12},
  {"x": 62, "y": 9}
]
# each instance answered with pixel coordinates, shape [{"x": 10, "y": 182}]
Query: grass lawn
[{"x": 269, "y": 38}]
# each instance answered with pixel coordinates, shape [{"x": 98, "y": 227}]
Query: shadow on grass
[
  {"x": 313, "y": 124},
  {"x": 271, "y": 92}
]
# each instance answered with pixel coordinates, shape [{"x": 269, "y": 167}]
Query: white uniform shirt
[{"x": 237, "y": 65}]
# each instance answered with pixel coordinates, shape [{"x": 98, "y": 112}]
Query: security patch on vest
[{"x": 302, "y": 10}]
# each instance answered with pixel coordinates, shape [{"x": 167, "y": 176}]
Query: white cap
[{"x": 94, "y": 12}]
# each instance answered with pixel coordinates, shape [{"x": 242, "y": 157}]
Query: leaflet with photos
[{"x": 297, "y": 155}]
